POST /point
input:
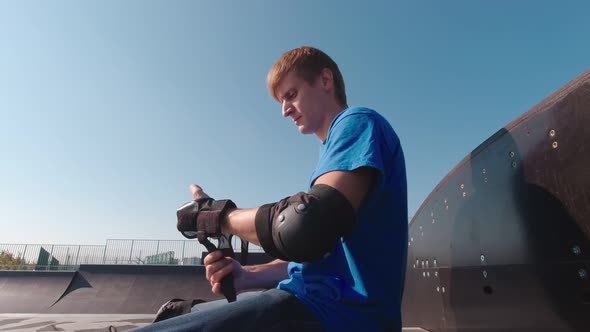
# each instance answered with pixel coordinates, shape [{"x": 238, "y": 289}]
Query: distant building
[{"x": 163, "y": 258}]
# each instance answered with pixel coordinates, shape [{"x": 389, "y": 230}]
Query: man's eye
[{"x": 290, "y": 95}]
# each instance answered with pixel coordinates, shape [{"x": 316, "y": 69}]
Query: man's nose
[{"x": 286, "y": 108}]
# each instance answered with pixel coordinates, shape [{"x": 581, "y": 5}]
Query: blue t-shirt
[{"x": 359, "y": 286}]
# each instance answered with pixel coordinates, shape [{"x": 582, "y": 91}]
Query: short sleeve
[{"x": 354, "y": 140}]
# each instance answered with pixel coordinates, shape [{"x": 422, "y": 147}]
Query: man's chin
[{"x": 304, "y": 131}]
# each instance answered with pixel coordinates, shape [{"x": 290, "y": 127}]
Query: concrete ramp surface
[
  {"x": 131, "y": 289},
  {"x": 32, "y": 291},
  {"x": 101, "y": 289}
]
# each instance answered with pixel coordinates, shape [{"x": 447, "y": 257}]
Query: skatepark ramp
[
  {"x": 503, "y": 242},
  {"x": 101, "y": 289},
  {"x": 32, "y": 291}
]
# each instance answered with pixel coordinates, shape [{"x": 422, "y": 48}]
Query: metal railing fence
[
  {"x": 115, "y": 251},
  {"x": 48, "y": 256}
]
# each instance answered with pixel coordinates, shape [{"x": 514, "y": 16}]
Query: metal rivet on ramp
[
  {"x": 552, "y": 133},
  {"x": 554, "y": 145},
  {"x": 576, "y": 250},
  {"x": 582, "y": 273}
]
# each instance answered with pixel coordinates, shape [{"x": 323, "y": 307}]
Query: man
[{"x": 340, "y": 247}]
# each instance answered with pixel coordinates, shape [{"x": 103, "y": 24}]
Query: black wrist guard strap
[{"x": 202, "y": 218}]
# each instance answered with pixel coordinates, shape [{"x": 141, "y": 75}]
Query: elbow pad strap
[{"x": 264, "y": 231}]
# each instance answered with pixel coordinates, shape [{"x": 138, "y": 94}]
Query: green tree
[{"x": 9, "y": 262}]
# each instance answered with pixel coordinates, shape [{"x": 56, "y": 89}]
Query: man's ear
[{"x": 327, "y": 79}]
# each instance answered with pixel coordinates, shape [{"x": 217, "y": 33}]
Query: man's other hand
[{"x": 217, "y": 267}]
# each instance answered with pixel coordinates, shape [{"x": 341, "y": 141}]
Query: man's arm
[
  {"x": 240, "y": 222},
  {"x": 354, "y": 185}
]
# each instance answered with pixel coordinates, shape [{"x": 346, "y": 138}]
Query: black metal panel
[{"x": 509, "y": 227}]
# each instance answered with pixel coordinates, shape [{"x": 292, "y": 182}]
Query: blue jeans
[{"x": 268, "y": 311}]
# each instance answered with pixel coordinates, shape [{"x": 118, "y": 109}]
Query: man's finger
[
  {"x": 216, "y": 288},
  {"x": 212, "y": 257},
  {"x": 197, "y": 192},
  {"x": 218, "y": 275}
]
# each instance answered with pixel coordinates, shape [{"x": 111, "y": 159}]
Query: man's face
[{"x": 304, "y": 103}]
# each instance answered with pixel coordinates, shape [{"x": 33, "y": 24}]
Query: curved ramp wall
[{"x": 502, "y": 243}]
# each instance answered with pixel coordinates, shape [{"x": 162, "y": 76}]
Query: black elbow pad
[{"x": 306, "y": 226}]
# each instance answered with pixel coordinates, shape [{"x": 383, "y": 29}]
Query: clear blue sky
[{"x": 110, "y": 109}]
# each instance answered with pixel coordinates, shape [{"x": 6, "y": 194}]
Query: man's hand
[
  {"x": 262, "y": 276},
  {"x": 217, "y": 267}
]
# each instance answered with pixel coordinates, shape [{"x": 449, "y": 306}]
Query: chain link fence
[{"x": 117, "y": 251}]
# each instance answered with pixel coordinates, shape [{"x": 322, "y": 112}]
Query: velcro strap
[
  {"x": 208, "y": 222},
  {"x": 202, "y": 218},
  {"x": 210, "y": 215}
]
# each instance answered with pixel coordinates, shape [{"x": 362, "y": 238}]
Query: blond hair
[{"x": 307, "y": 62}]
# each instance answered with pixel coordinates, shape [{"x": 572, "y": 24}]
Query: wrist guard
[{"x": 202, "y": 218}]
